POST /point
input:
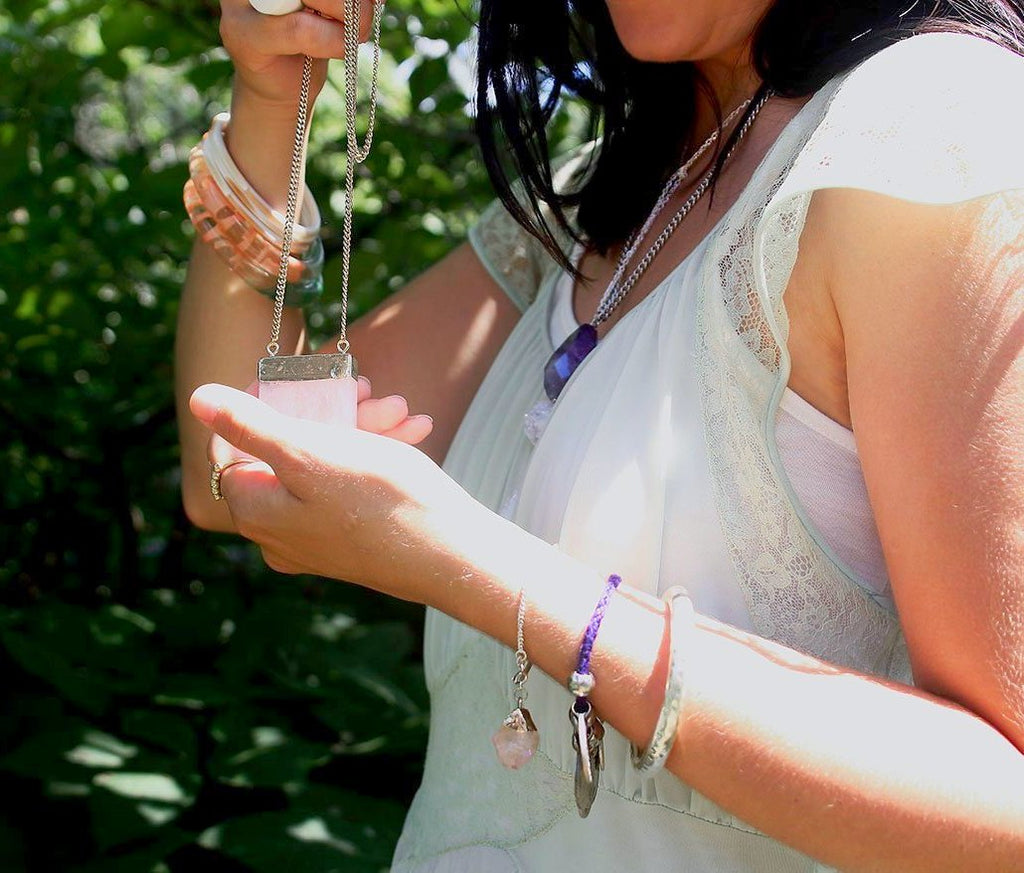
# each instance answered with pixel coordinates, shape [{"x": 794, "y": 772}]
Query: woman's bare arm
[
  {"x": 861, "y": 773},
  {"x": 432, "y": 342},
  {"x": 932, "y": 304}
]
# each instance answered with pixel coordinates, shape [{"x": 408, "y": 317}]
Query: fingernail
[{"x": 205, "y": 402}]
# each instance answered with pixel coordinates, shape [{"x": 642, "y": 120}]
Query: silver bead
[{"x": 581, "y": 684}]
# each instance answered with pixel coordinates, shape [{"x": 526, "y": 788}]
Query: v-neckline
[{"x": 564, "y": 307}]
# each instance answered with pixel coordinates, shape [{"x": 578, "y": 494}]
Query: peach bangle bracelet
[{"x": 240, "y": 226}]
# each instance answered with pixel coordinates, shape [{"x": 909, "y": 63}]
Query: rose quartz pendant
[
  {"x": 517, "y": 739},
  {"x": 319, "y": 388}
]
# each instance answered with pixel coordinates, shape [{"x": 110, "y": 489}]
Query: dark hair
[{"x": 533, "y": 52}]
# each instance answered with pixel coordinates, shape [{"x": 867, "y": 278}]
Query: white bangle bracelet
[
  {"x": 235, "y": 186},
  {"x": 681, "y": 625}
]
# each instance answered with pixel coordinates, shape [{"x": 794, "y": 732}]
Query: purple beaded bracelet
[{"x": 587, "y": 729}]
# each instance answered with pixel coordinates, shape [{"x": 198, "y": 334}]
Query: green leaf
[
  {"x": 257, "y": 748},
  {"x": 117, "y": 820},
  {"x": 165, "y": 730},
  {"x": 427, "y": 78},
  {"x": 324, "y": 831},
  {"x": 47, "y": 755},
  {"x": 155, "y": 787},
  {"x": 73, "y": 683}
]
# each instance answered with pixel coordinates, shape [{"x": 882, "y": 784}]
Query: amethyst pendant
[{"x": 566, "y": 358}]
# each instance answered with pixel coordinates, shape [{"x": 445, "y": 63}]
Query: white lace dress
[{"x": 660, "y": 463}]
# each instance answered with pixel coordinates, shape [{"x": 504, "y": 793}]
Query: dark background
[{"x": 168, "y": 703}]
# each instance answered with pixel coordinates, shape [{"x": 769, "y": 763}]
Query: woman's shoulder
[
  {"x": 930, "y": 119},
  {"x": 516, "y": 259},
  {"x": 936, "y": 61},
  {"x": 949, "y": 76}
]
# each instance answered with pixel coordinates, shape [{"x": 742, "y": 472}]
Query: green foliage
[
  {"x": 170, "y": 704},
  {"x": 235, "y": 718}
]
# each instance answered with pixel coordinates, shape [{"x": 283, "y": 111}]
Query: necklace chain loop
[{"x": 355, "y": 154}]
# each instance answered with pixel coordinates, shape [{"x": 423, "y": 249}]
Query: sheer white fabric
[
  {"x": 660, "y": 463},
  {"x": 820, "y": 460},
  {"x": 818, "y": 455}
]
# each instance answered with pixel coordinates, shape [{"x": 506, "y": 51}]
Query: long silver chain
[
  {"x": 355, "y": 154},
  {"x": 617, "y": 288},
  {"x": 675, "y": 180},
  {"x": 294, "y": 177}
]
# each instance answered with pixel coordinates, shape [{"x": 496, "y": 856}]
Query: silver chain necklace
[
  {"x": 355, "y": 154},
  {"x": 616, "y": 292},
  {"x": 321, "y": 387},
  {"x": 565, "y": 360},
  {"x": 605, "y": 307}
]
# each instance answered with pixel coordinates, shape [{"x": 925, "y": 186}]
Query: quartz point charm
[
  {"x": 567, "y": 357},
  {"x": 517, "y": 739},
  {"x": 535, "y": 421},
  {"x": 319, "y": 388},
  {"x": 588, "y": 743}
]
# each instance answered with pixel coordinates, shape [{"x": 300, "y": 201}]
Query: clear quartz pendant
[
  {"x": 535, "y": 422},
  {"x": 517, "y": 739},
  {"x": 319, "y": 388}
]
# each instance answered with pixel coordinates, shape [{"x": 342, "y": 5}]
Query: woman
[{"x": 856, "y": 271}]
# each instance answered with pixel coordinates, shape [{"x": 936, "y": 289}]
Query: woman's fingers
[
  {"x": 412, "y": 431},
  {"x": 389, "y": 416},
  {"x": 247, "y": 33},
  {"x": 335, "y": 9},
  {"x": 252, "y": 427},
  {"x": 317, "y": 31},
  {"x": 378, "y": 414}
]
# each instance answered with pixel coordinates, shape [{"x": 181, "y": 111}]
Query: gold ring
[{"x": 216, "y": 471}]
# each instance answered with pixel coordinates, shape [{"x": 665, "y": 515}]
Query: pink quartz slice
[
  {"x": 328, "y": 401},
  {"x": 516, "y": 740}
]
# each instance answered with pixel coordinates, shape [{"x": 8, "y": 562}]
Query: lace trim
[
  {"x": 796, "y": 593},
  {"x": 516, "y": 259}
]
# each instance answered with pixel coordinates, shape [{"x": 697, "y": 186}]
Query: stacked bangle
[
  {"x": 681, "y": 624},
  {"x": 243, "y": 229}
]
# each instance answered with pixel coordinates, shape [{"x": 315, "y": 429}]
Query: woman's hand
[
  {"x": 387, "y": 416},
  {"x": 347, "y": 504},
  {"x": 267, "y": 50}
]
